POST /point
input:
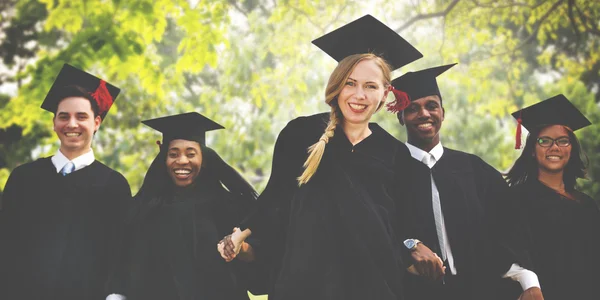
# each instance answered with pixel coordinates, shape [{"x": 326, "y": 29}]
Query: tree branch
[
  {"x": 594, "y": 30},
  {"x": 238, "y": 8},
  {"x": 513, "y": 4},
  {"x": 572, "y": 19},
  {"x": 536, "y": 30},
  {"x": 337, "y": 16},
  {"x": 420, "y": 17}
]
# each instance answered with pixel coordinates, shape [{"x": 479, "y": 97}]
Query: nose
[
  {"x": 72, "y": 122},
  {"x": 554, "y": 146},
  {"x": 424, "y": 113},
  {"x": 360, "y": 92},
  {"x": 182, "y": 160}
]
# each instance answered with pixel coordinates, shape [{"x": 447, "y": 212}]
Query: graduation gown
[
  {"x": 473, "y": 197},
  {"x": 59, "y": 234},
  {"x": 562, "y": 240},
  {"x": 173, "y": 249},
  {"x": 333, "y": 237}
]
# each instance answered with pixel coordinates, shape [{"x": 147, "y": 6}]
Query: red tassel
[
  {"x": 158, "y": 143},
  {"x": 103, "y": 98},
  {"x": 518, "y": 136},
  {"x": 402, "y": 101}
]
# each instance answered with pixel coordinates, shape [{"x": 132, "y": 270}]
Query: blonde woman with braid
[{"x": 325, "y": 221}]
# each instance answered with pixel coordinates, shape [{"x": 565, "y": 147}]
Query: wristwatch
[{"x": 411, "y": 244}]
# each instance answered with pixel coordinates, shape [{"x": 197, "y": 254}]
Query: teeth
[
  {"x": 71, "y": 134},
  {"x": 357, "y": 106},
  {"x": 553, "y": 157},
  {"x": 425, "y": 126},
  {"x": 182, "y": 172}
]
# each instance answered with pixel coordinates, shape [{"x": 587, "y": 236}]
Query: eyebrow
[
  {"x": 560, "y": 137},
  {"x": 187, "y": 149},
  {"x": 350, "y": 78},
  {"x": 62, "y": 113}
]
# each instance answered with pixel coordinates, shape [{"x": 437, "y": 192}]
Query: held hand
[
  {"x": 221, "y": 248},
  {"x": 229, "y": 247},
  {"x": 533, "y": 293},
  {"x": 427, "y": 263}
]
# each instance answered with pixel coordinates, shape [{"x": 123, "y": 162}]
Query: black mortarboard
[
  {"x": 101, "y": 91},
  {"x": 557, "y": 110},
  {"x": 368, "y": 35},
  {"x": 188, "y": 126},
  {"x": 416, "y": 85}
]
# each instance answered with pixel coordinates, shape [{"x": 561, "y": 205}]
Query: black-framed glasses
[{"x": 547, "y": 142}]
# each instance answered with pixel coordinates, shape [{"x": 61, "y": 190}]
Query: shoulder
[
  {"x": 473, "y": 159},
  {"x": 33, "y": 167},
  {"x": 387, "y": 141},
  {"x": 304, "y": 131},
  {"x": 307, "y": 122},
  {"x": 113, "y": 176}
]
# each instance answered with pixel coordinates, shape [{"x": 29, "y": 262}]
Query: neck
[
  {"x": 74, "y": 154},
  {"x": 425, "y": 145},
  {"x": 356, "y": 132},
  {"x": 552, "y": 180}
]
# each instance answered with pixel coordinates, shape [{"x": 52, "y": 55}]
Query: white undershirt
[{"x": 526, "y": 278}]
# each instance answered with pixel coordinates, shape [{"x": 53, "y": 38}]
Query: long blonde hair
[{"x": 336, "y": 83}]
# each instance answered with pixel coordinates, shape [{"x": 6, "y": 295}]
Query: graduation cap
[
  {"x": 102, "y": 92},
  {"x": 368, "y": 35},
  {"x": 557, "y": 110},
  {"x": 415, "y": 85},
  {"x": 188, "y": 126}
]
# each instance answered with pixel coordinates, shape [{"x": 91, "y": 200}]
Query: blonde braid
[{"x": 316, "y": 150}]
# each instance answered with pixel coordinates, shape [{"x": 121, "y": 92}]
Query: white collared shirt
[
  {"x": 526, "y": 278},
  {"x": 59, "y": 160},
  {"x": 436, "y": 152}
]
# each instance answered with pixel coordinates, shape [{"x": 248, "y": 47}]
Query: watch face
[{"x": 409, "y": 243}]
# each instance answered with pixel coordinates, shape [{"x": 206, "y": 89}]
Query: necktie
[
  {"x": 429, "y": 160},
  {"x": 68, "y": 168}
]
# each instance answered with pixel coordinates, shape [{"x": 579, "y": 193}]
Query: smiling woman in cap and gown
[
  {"x": 560, "y": 225},
  {"x": 326, "y": 221},
  {"x": 61, "y": 215},
  {"x": 189, "y": 199}
]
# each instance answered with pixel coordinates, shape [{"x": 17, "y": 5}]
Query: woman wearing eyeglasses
[{"x": 560, "y": 225}]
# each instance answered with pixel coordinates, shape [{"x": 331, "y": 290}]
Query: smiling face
[
  {"x": 184, "y": 159},
  {"x": 553, "y": 159},
  {"x": 363, "y": 93},
  {"x": 423, "y": 120},
  {"x": 75, "y": 124}
]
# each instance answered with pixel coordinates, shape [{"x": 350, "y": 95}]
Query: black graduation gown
[
  {"x": 60, "y": 233},
  {"x": 562, "y": 240},
  {"x": 473, "y": 196},
  {"x": 331, "y": 238},
  {"x": 173, "y": 251}
]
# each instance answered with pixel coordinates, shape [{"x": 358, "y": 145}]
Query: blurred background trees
[{"x": 250, "y": 66}]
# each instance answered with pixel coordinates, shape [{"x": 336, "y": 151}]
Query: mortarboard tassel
[
  {"x": 158, "y": 143},
  {"x": 103, "y": 97},
  {"x": 402, "y": 101},
  {"x": 518, "y": 136}
]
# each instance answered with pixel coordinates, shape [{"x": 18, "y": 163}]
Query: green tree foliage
[{"x": 250, "y": 66}]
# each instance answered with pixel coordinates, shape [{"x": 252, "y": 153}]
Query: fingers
[
  {"x": 220, "y": 249},
  {"x": 430, "y": 267},
  {"x": 226, "y": 249}
]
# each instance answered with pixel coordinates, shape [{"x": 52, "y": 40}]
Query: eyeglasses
[{"x": 547, "y": 142}]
